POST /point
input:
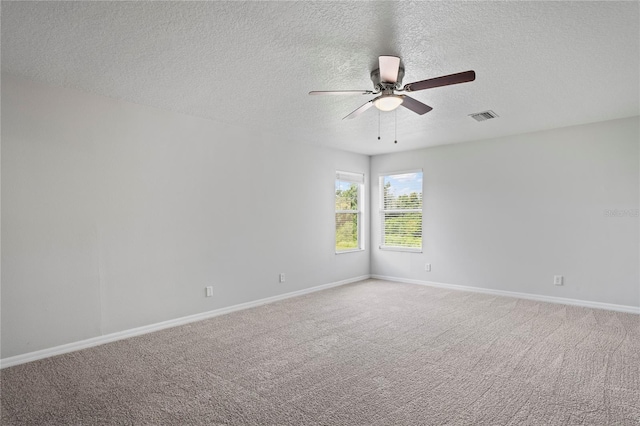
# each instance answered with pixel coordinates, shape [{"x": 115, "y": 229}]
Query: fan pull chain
[
  {"x": 378, "y": 124},
  {"x": 395, "y": 130}
]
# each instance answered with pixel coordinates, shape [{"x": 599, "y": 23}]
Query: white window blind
[
  {"x": 401, "y": 211},
  {"x": 350, "y": 177},
  {"x": 348, "y": 214}
]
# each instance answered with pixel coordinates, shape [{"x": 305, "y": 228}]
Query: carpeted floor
[{"x": 369, "y": 353}]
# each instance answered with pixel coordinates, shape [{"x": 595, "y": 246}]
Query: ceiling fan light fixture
[{"x": 388, "y": 103}]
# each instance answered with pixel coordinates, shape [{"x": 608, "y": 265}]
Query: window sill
[
  {"x": 349, "y": 251},
  {"x": 407, "y": 249}
]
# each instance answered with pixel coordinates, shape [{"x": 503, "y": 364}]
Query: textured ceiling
[{"x": 539, "y": 65}]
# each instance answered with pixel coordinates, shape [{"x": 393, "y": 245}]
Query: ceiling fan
[{"x": 387, "y": 80}]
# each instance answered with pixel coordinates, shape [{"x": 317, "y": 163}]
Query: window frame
[
  {"x": 384, "y": 211},
  {"x": 358, "y": 179}
]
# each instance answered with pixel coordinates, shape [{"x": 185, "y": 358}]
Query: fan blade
[
  {"x": 446, "y": 80},
  {"x": 389, "y": 66},
  {"x": 360, "y": 110},
  {"x": 340, "y": 92},
  {"x": 415, "y": 106}
]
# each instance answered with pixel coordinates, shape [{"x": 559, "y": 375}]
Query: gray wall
[
  {"x": 509, "y": 213},
  {"x": 117, "y": 215}
]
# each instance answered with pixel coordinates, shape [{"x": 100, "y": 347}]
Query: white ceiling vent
[{"x": 484, "y": 115}]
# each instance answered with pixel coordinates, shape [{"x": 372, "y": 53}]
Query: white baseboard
[
  {"x": 112, "y": 337},
  {"x": 529, "y": 296}
]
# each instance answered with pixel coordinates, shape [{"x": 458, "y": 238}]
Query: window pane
[
  {"x": 346, "y": 231},
  {"x": 403, "y": 191},
  {"x": 346, "y": 195},
  {"x": 403, "y": 230}
]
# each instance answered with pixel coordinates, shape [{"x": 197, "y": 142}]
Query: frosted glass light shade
[{"x": 388, "y": 103}]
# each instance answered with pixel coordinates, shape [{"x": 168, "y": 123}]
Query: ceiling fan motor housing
[{"x": 381, "y": 86}]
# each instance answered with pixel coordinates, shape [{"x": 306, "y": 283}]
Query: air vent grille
[{"x": 484, "y": 115}]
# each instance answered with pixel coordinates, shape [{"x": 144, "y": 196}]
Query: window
[
  {"x": 401, "y": 211},
  {"x": 349, "y": 203}
]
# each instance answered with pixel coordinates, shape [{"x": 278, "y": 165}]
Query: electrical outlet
[
  {"x": 427, "y": 267},
  {"x": 558, "y": 280},
  {"x": 208, "y": 291},
  {"x": 282, "y": 277}
]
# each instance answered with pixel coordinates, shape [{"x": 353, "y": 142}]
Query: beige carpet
[{"x": 369, "y": 353}]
